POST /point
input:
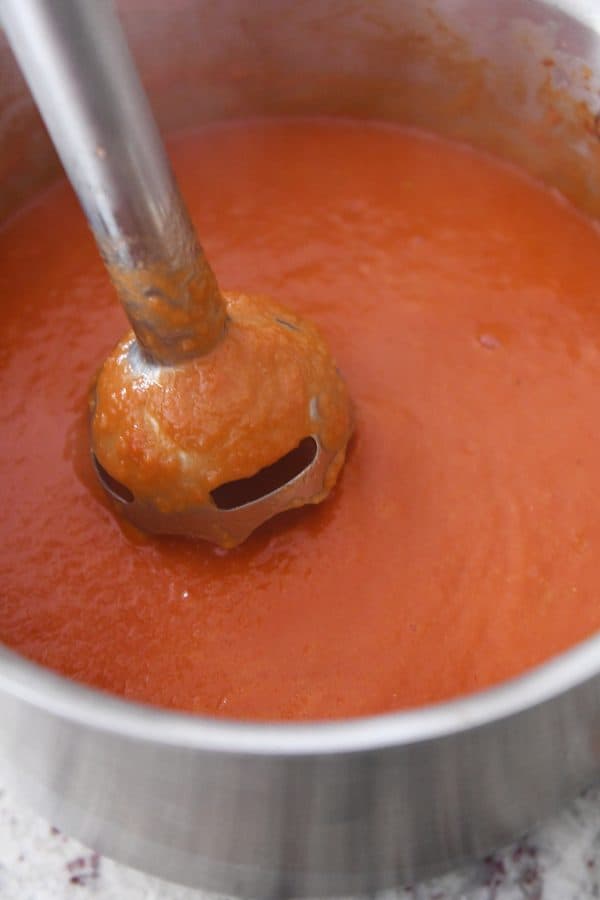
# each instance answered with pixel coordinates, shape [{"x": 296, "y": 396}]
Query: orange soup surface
[{"x": 461, "y": 544}]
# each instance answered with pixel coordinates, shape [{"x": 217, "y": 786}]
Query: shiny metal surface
[
  {"x": 78, "y": 66},
  {"x": 289, "y": 810}
]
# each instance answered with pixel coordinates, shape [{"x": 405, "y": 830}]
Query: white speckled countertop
[{"x": 560, "y": 861}]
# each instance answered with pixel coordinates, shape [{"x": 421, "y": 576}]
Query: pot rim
[{"x": 79, "y": 704}]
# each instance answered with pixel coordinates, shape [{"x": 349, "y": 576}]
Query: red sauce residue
[
  {"x": 175, "y": 437},
  {"x": 460, "y": 546}
]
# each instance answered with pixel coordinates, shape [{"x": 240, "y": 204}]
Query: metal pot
[{"x": 288, "y": 810}]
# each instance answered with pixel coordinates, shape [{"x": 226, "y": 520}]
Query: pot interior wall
[{"x": 515, "y": 77}]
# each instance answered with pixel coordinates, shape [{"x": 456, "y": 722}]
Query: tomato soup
[{"x": 460, "y": 545}]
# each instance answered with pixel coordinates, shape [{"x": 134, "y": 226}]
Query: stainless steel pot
[{"x": 288, "y": 810}]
